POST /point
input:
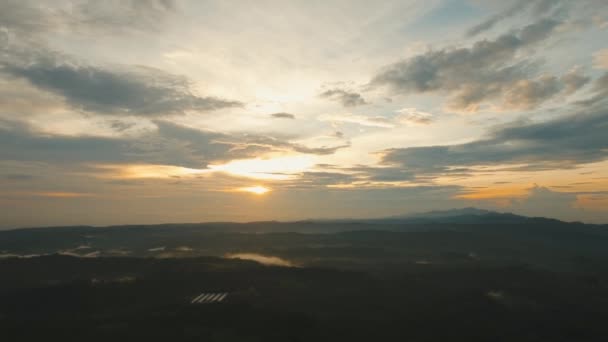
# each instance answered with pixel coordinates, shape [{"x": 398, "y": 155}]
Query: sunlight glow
[
  {"x": 135, "y": 171},
  {"x": 496, "y": 192},
  {"x": 258, "y": 190},
  {"x": 281, "y": 168}
]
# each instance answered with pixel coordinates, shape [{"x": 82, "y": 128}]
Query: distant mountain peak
[
  {"x": 467, "y": 211},
  {"x": 458, "y": 212},
  {"x": 468, "y": 215}
]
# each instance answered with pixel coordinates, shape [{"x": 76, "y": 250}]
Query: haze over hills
[
  {"x": 490, "y": 236},
  {"x": 468, "y": 215}
]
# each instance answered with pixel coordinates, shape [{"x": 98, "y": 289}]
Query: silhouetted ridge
[{"x": 469, "y": 215}]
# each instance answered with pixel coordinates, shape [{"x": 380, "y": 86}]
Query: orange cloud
[
  {"x": 495, "y": 193},
  {"x": 51, "y": 194},
  {"x": 59, "y": 194},
  {"x": 592, "y": 202}
]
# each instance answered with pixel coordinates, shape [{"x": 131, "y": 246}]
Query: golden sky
[{"x": 116, "y": 112}]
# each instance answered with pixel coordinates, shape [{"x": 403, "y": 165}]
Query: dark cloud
[
  {"x": 139, "y": 91},
  {"x": 314, "y": 179},
  {"x": 267, "y": 143},
  {"x": 561, "y": 143},
  {"x": 486, "y": 71},
  {"x": 324, "y": 150},
  {"x": 121, "y": 126},
  {"x": 18, "y": 177},
  {"x": 362, "y": 174},
  {"x": 170, "y": 144},
  {"x": 356, "y": 177},
  {"x": 25, "y": 55},
  {"x": 346, "y": 97},
  {"x": 383, "y": 174},
  {"x": 18, "y": 142},
  {"x": 283, "y": 116},
  {"x": 178, "y": 145}
]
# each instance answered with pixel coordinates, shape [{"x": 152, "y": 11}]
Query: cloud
[
  {"x": 170, "y": 144},
  {"x": 18, "y": 142},
  {"x": 118, "y": 15},
  {"x": 545, "y": 200},
  {"x": 528, "y": 94},
  {"x": 121, "y": 126},
  {"x": 137, "y": 91},
  {"x": 317, "y": 178},
  {"x": 539, "y": 7},
  {"x": 575, "y": 14},
  {"x": 471, "y": 76},
  {"x": 283, "y": 116},
  {"x": 19, "y": 177},
  {"x": 489, "y": 23},
  {"x": 18, "y": 98},
  {"x": 414, "y": 116},
  {"x": 560, "y": 143},
  {"x": 541, "y": 201},
  {"x": 383, "y": 174},
  {"x": 324, "y": 150},
  {"x": 60, "y": 194},
  {"x": 30, "y": 18},
  {"x": 347, "y": 98},
  {"x": 600, "y": 59},
  {"x": 353, "y": 177},
  {"x": 178, "y": 145},
  {"x": 601, "y": 84},
  {"x": 593, "y": 202},
  {"x": 363, "y": 120},
  {"x": 404, "y": 116},
  {"x": 599, "y": 91},
  {"x": 26, "y": 16},
  {"x": 573, "y": 81}
]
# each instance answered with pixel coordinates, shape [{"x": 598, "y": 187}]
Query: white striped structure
[{"x": 205, "y": 298}]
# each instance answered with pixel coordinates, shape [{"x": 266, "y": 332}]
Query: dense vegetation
[{"x": 504, "y": 280}]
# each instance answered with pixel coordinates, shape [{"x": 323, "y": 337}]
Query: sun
[{"x": 258, "y": 190}]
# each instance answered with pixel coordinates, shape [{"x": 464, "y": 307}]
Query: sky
[{"x": 135, "y": 111}]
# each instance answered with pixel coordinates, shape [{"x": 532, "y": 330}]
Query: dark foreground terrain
[
  {"x": 63, "y": 298},
  {"x": 481, "y": 278}
]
